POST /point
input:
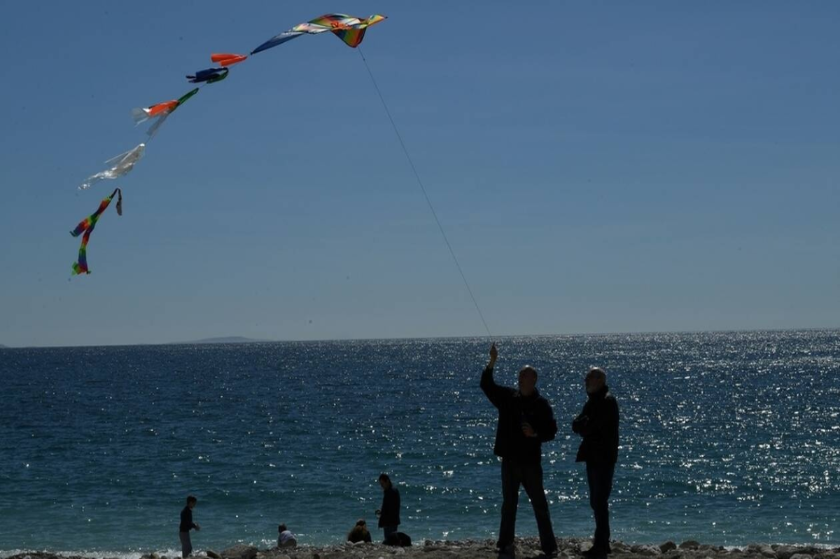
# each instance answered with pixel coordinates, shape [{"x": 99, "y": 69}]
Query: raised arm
[{"x": 498, "y": 395}]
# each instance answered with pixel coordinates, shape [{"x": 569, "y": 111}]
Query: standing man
[
  {"x": 389, "y": 514},
  {"x": 525, "y": 422},
  {"x": 598, "y": 425},
  {"x": 187, "y": 524}
]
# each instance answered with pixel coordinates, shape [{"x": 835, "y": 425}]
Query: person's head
[
  {"x": 527, "y": 380},
  {"x": 361, "y": 522},
  {"x": 595, "y": 380},
  {"x": 191, "y": 501},
  {"x": 282, "y": 528},
  {"x": 384, "y": 481}
]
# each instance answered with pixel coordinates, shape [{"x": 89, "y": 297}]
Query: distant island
[
  {"x": 3, "y": 346},
  {"x": 225, "y": 340}
]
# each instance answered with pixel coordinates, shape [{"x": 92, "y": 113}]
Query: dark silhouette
[
  {"x": 359, "y": 533},
  {"x": 389, "y": 515},
  {"x": 598, "y": 425},
  {"x": 187, "y": 524},
  {"x": 398, "y": 539},
  {"x": 284, "y": 537},
  {"x": 525, "y": 422}
]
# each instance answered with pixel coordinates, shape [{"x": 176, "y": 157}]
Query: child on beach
[
  {"x": 187, "y": 524},
  {"x": 359, "y": 533},
  {"x": 285, "y": 538}
]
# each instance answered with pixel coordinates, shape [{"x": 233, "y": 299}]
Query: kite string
[{"x": 425, "y": 194}]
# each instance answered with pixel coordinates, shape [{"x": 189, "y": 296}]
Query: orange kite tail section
[
  {"x": 160, "y": 108},
  {"x": 225, "y": 59}
]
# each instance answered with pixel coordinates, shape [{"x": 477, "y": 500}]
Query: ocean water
[{"x": 728, "y": 438}]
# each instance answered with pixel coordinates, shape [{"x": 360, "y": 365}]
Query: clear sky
[{"x": 598, "y": 167}]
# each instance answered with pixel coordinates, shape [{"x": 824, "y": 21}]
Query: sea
[{"x": 726, "y": 438}]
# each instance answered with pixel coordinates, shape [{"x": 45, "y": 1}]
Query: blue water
[{"x": 726, "y": 438}]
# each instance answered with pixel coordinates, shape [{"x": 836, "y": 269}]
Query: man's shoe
[{"x": 595, "y": 553}]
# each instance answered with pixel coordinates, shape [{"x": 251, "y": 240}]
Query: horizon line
[{"x": 247, "y": 340}]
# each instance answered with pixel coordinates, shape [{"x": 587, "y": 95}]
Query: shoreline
[{"x": 473, "y": 549}]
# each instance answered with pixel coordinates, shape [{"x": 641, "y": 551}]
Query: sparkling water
[{"x": 727, "y": 438}]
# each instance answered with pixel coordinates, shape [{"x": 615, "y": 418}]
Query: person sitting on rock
[
  {"x": 359, "y": 533},
  {"x": 285, "y": 537}
]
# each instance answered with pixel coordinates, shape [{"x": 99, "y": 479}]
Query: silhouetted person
[
  {"x": 359, "y": 533},
  {"x": 389, "y": 515},
  {"x": 598, "y": 425},
  {"x": 525, "y": 422},
  {"x": 187, "y": 524},
  {"x": 284, "y": 537}
]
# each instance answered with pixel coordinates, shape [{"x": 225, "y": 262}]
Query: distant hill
[
  {"x": 2, "y": 346},
  {"x": 226, "y": 340}
]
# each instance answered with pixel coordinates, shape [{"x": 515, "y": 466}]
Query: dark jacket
[
  {"x": 186, "y": 520},
  {"x": 359, "y": 534},
  {"x": 598, "y": 425},
  {"x": 514, "y": 409},
  {"x": 390, "y": 508}
]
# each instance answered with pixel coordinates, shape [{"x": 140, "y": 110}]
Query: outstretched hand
[{"x": 494, "y": 354}]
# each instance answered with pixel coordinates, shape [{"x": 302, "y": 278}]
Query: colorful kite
[
  {"x": 124, "y": 163},
  {"x": 349, "y": 29},
  {"x": 210, "y": 75},
  {"x": 86, "y": 226}
]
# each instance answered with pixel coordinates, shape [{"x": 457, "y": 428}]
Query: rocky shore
[{"x": 525, "y": 548}]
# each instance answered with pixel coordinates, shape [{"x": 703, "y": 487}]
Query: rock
[
  {"x": 670, "y": 546},
  {"x": 800, "y": 556},
  {"x": 785, "y": 551},
  {"x": 690, "y": 544},
  {"x": 240, "y": 552},
  {"x": 213, "y": 555},
  {"x": 648, "y": 550}
]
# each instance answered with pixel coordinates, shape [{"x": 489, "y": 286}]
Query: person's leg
[
  {"x": 186, "y": 544},
  {"x": 532, "y": 480},
  {"x": 600, "y": 486},
  {"x": 511, "y": 478}
]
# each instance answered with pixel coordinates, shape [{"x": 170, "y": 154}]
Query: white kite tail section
[
  {"x": 124, "y": 163},
  {"x": 139, "y": 115}
]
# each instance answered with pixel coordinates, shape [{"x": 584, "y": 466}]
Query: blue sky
[{"x": 598, "y": 167}]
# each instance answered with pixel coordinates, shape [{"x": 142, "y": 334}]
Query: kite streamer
[
  {"x": 87, "y": 225},
  {"x": 123, "y": 163}
]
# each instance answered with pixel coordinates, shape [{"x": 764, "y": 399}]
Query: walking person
[
  {"x": 525, "y": 422},
  {"x": 187, "y": 524},
  {"x": 598, "y": 425}
]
